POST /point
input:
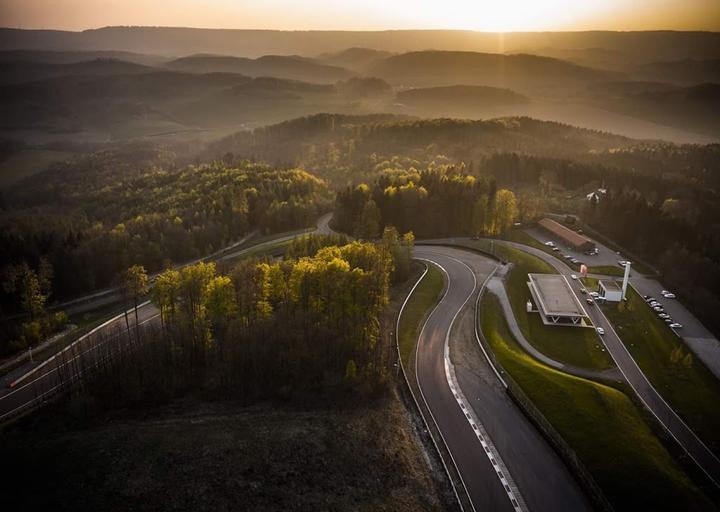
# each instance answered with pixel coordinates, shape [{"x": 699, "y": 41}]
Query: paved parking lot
[
  {"x": 604, "y": 257},
  {"x": 700, "y": 340}
]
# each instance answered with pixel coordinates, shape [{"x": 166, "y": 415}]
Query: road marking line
[
  {"x": 513, "y": 493},
  {"x": 412, "y": 394}
]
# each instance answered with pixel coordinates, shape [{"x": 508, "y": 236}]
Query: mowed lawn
[
  {"x": 602, "y": 426},
  {"x": 421, "y": 302},
  {"x": 575, "y": 346},
  {"x": 680, "y": 377},
  {"x": 27, "y": 162}
]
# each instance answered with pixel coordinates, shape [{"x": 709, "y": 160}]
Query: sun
[{"x": 500, "y": 15}]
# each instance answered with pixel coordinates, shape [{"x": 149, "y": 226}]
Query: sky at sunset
[{"x": 496, "y": 15}]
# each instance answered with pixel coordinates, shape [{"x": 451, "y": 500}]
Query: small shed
[{"x": 610, "y": 290}]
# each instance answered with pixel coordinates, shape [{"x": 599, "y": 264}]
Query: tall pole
[{"x": 626, "y": 279}]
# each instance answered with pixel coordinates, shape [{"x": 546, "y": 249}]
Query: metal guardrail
[{"x": 415, "y": 401}]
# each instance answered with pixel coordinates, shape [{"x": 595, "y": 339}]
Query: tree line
[
  {"x": 440, "y": 202},
  {"x": 303, "y": 325},
  {"x": 90, "y": 229},
  {"x": 680, "y": 235}
]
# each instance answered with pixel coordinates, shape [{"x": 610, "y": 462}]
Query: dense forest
[
  {"x": 433, "y": 203},
  {"x": 678, "y": 233},
  {"x": 662, "y": 200},
  {"x": 90, "y": 218},
  {"x": 306, "y": 324}
]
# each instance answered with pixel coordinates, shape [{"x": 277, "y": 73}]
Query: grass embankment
[
  {"x": 607, "y": 270},
  {"x": 421, "y": 302},
  {"x": 196, "y": 455},
  {"x": 601, "y": 424},
  {"x": 576, "y": 346},
  {"x": 681, "y": 378}
]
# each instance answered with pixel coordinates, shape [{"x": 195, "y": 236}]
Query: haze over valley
[{"x": 359, "y": 255}]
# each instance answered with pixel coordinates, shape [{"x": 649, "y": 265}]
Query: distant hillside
[
  {"x": 309, "y": 140},
  {"x": 526, "y": 73},
  {"x": 693, "y": 108},
  {"x": 20, "y": 72},
  {"x": 292, "y": 67},
  {"x": 70, "y": 57},
  {"x": 648, "y": 45},
  {"x": 598, "y": 58},
  {"x": 356, "y": 59},
  {"x": 138, "y": 104},
  {"x": 627, "y": 87},
  {"x": 460, "y": 96},
  {"x": 687, "y": 71}
]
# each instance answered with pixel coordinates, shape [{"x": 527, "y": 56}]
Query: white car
[
  {"x": 594, "y": 295},
  {"x": 663, "y": 315},
  {"x": 550, "y": 244},
  {"x": 676, "y": 325},
  {"x": 669, "y": 295},
  {"x": 574, "y": 277},
  {"x": 556, "y": 249},
  {"x": 600, "y": 331}
]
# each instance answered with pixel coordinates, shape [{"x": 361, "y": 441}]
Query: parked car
[
  {"x": 573, "y": 277},
  {"x": 646, "y": 297},
  {"x": 556, "y": 249},
  {"x": 676, "y": 325},
  {"x": 594, "y": 295},
  {"x": 600, "y": 331},
  {"x": 575, "y": 261},
  {"x": 669, "y": 295},
  {"x": 659, "y": 309},
  {"x": 583, "y": 291},
  {"x": 567, "y": 257},
  {"x": 663, "y": 315},
  {"x": 550, "y": 244},
  {"x": 589, "y": 301}
]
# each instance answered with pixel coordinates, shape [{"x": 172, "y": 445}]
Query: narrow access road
[
  {"x": 46, "y": 379},
  {"x": 42, "y": 381}
]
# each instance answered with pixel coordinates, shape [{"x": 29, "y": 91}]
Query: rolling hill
[
  {"x": 71, "y": 57},
  {"x": 288, "y": 67},
  {"x": 173, "y": 41},
  {"x": 16, "y": 72},
  {"x": 356, "y": 59},
  {"x": 460, "y": 96},
  {"x": 685, "y": 72},
  {"x": 528, "y": 74}
]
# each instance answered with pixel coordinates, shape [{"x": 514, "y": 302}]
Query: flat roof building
[
  {"x": 568, "y": 236},
  {"x": 556, "y": 301},
  {"x": 610, "y": 290}
]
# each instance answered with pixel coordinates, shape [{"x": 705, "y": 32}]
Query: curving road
[
  {"x": 504, "y": 463},
  {"x": 53, "y": 375},
  {"x": 40, "y": 382}
]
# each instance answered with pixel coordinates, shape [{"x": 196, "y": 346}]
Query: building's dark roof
[{"x": 570, "y": 236}]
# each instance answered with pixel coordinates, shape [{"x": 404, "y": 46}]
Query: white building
[{"x": 610, "y": 290}]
